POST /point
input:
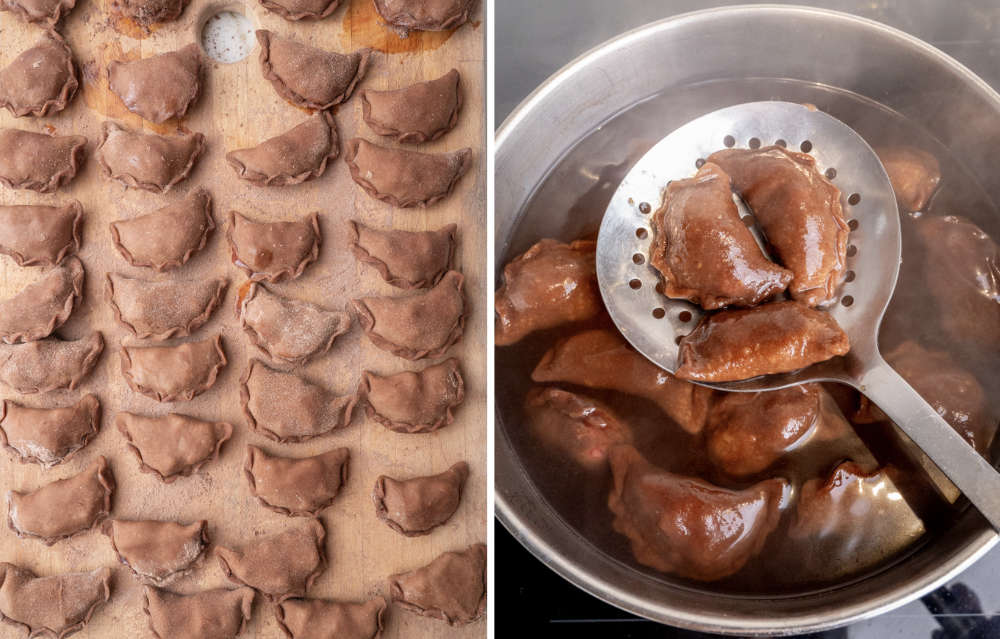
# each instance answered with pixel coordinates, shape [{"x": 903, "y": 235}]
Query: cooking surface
[
  {"x": 524, "y": 53},
  {"x": 239, "y": 108}
]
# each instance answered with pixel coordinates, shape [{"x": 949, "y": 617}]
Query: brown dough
[
  {"x": 64, "y": 507},
  {"x": 166, "y": 238},
  {"x": 424, "y": 15},
  {"x": 49, "y": 364},
  {"x": 38, "y": 235},
  {"x": 406, "y": 178},
  {"x": 414, "y": 402},
  {"x": 785, "y": 336},
  {"x": 703, "y": 250},
  {"x": 914, "y": 174},
  {"x": 747, "y": 433},
  {"x": 272, "y": 251},
  {"x": 49, "y": 436},
  {"x": 405, "y": 259},
  {"x": 953, "y": 392},
  {"x": 451, "y": 588},
  {"x": 148, "y": 161},
  {"x": 279, "y": 566},
  {"x": 209, "y": 614},
  {"x": 296, "y": 486},
  {"x": 157, "y": 552},
  {"x": 574, "y": 426},
  {"x": 825, "y": 502},
  {"x": 159, "y": 87},
  {"x": 37, "y": 161},
  {"x": 173, "y": 373},
  {"x": 799, "y": 211},
  {"x": 286, "y": 407},
  {"x": 174, "y": 445},
  {"x": 422, "y": 325},
  {"x": 297, "y": 155},
  {"x": 301, "y": 9},
  {"x": 42, "y": 306},
  {"x": 415, "y": 114},
  {"x": 549, "y": 285},
  {"x": 55, "y": 606},
  {"x": 45, "y": 13},
  {"x": 149, "y": 12},
  {"x": 323, "y": 619},
  {"x": 163, "y": 309},
  {"x": 415, "y": 507},
  {"x": 602, "y": 359},
  {"x": 309, "y": 77},
  {"x": 685, "y": 526},
  {"x": 851, "y": 519},
  {"x": 962, "y": 274},
  {"x": 288, "y": 330},
  {"x": 41, "y": 81}
]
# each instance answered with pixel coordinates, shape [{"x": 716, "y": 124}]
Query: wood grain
[{"x": 239, "y": 108}]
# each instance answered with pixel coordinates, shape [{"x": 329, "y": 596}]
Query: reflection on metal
[
  {"x": 833, "y": 144},
  {"x": 742, "y": 42}
]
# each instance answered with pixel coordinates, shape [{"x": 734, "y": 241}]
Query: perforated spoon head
[{"x": 654, "y": 323}]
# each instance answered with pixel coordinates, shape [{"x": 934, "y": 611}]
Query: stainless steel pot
[{"x": 865, "y": 57}]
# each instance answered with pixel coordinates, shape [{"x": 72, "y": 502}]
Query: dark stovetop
[
  {"x": 533, "y": 601},
  {"x": 534, "y": 38}
]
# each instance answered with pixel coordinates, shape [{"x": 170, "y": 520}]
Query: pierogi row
[{"x": 167, "y": 358}]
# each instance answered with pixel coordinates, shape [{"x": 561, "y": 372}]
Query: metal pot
[{"x": 869, "y": 59}]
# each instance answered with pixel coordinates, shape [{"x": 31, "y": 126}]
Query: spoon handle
[{"x": 958, "y": 460}]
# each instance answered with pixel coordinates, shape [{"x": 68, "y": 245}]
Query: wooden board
[{"x": 239, "y": 108}]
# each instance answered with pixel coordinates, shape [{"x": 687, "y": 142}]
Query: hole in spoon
[
  {"x": 849, "y": 276},
  {"x": 754, "y": 143},
  {"x": 645, "y": 208},
  {"x": 684, "y": 316},
  {"x": 635, "y": 284},
  {"x": 677, "y": 340},
  {"x": 639, "y": 258},
  {"x": 659, "y": 288},
  {"x": 806, "y": 146},
  {"x": 729, "y": 141},
  {"x": 781, "y": 142},
  {"x": 700, "y": 162},
  {"x": 847, "y": 300},
  {"x": 852, "y": 250},
  {"x": 854, "y": 199},
  {"x": 659, "y": 313},
  {"x": 830, "y": 173},
  {"x": 853, "y": 225},
  {"x": 641, "y": 233}
]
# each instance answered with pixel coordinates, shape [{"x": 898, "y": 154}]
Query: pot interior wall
[{"x": 587, "y": 128}]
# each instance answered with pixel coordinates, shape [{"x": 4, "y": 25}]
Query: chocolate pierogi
[
  {"x": 686, "y": 526},
  {"x": 550, "y": 284},
  {"x": 773, "y": 338},
  {"x": 704, "y": 251},
  {"x": 914, "y": 173},
  {"x": 761, "y": 493},
  {"x": 800, "y": 212},
  {"x": 578, "y": 427},
  {"x": 962, "y": 275},
  {"x": 602, "y": 359}
]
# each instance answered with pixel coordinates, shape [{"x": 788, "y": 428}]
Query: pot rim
[{"x": 663, "y": 611}]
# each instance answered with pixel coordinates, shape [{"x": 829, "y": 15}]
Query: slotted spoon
[{"x": 654, "y": 324}]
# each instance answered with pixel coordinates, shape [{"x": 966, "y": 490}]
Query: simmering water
[{"x": 568, "y": 204}]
